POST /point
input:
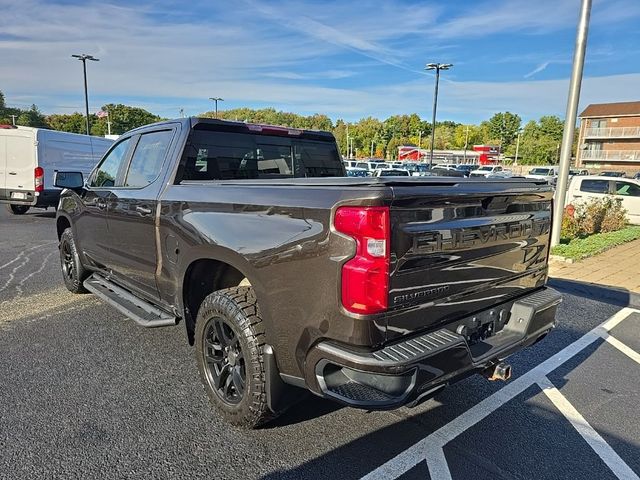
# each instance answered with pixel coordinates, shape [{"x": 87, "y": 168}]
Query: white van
[
  {"x": 30, "y": 156},
  {"x": 584, "y": 188}
]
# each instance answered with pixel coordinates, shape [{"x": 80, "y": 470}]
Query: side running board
[{"x": 140, "y": 311}]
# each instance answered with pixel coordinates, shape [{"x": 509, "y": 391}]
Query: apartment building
[{"x": 609, "y": 137}]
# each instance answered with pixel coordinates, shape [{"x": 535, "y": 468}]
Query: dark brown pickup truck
[{"x": 288, "y": 275}]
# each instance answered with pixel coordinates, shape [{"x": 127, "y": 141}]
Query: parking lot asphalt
[{"x": 85, "y": 392}]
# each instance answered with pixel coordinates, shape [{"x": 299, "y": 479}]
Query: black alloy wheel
[
  {"x": 73, "y": 272},
  {"x": 229, "y": 341},
  {"x": 226, "y": 370},
  {"x": 66, "y": 261}
]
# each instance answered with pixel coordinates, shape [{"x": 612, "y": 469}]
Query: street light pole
[
  {"x": 570, "y": 120},
  {"x": 466, "y": 143},
  {"x": 515, "y": 162},
  {"x": 83, "y": 58},
  {"x": 437, "y": 67},
  {"x": 216, "y": 100}
]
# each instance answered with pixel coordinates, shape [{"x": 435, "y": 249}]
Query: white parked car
[
  {"x": 485, "y": 171},
  {"x": 504, "y": 173},
  {"x": 447, "y": 166},
  {"x": 583, "y": 188},
  {"x": 371, "y": 166},
  {"x": 549, "y": 174},
  {"x": 390, "y": 172}
]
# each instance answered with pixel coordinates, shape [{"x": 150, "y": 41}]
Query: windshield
[{"x": 486, "y": 169}]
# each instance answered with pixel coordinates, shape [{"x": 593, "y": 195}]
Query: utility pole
[
  {"x": 13, "y": 120},
  {"x": 216, "y": 100},
  {"x": 83, "y": 58},
  {"x": 466, "y": 142},
  {"x": 108, "y": 123},
  {"x": 515, "y": 162},
  {"x": 570, "y": 119},
  {"x": 437, "y": 67},
  {"x": 419, "y": 139},
  {"x": 347, "y": 149},
  {"x": 371, "y": 149}
]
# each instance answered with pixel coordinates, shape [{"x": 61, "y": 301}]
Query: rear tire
[
  {"x": 73, "y": 273},
  {"x": 229, "y": 341},
  {"x": 18, "y": 209}
]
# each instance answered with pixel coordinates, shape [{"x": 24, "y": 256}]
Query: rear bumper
[
  {"x": 46, "y": 198},
  {"x": 410, "y": 370}
]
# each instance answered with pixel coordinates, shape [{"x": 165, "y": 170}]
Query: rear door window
[
  {"x": 595, "y": 186},
  {"x": 627, "y": 189},
  {"x": 148, "y": 158}
]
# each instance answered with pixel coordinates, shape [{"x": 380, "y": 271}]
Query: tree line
[{"x": 537, "y": 142}]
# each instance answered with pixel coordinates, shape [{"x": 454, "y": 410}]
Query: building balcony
[
  {"x": 611, "y": 155},
  {"x": 612, "y": 132}
]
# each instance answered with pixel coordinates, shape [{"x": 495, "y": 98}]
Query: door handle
[
  {"x": 100, "y": 203},
  {"x": 13, "y": 173},
  {"x": 143, "y": 210},
  {"x": 577, "y": 196}
]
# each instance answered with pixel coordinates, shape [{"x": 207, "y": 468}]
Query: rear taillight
[
  {"x": 38, "y": 179},
  {"x": 365, "y": 277}
]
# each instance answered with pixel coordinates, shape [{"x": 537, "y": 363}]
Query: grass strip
[{"x": 580, "y": 248}]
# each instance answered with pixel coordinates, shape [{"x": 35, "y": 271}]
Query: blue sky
[{"x": 344, "y": 59}]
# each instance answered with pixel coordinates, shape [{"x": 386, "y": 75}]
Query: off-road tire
[
  {"x": 18, "y": 209},
  {"x": 73, "y": 273},
  {"x": 238, "y": 308}
]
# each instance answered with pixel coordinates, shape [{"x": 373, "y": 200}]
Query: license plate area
[
  {"x": 19, "y": 195},
  {"x": 484, "y": 325}
]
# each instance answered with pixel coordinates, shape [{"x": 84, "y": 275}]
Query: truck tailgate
[{"x": 462, "y": 248}]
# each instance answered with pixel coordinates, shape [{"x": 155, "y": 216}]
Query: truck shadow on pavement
[
  {"x": 613, "y": 296},
  {"x": 492, "y": 448}
]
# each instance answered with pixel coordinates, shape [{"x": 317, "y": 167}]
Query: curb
[{"x": 595, "y": 291}]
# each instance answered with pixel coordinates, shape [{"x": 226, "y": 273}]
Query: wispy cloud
[
  {"x": 345, "y": 59},
  {"x": 538, "y": 69}
]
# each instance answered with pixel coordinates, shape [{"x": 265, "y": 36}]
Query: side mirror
[{"x": 70, "y": 180}]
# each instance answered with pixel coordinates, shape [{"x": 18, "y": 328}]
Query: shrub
[
  {"x": 615, "y": 216},
  {"x": 570, "y": 228},
  {"x": 595, "y": 216},
  {"x": 591, "y": 216}
]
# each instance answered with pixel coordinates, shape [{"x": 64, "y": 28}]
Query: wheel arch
[
  {"x": 204, "y": 275},
  {"x": 62, "y": 223}
]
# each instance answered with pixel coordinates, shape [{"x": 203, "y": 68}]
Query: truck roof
[{"x": 243, "y": 127}]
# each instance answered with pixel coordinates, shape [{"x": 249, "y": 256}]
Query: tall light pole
[
  {"x": 437, "y": 67},
  {"x": 466, "y": 143},
  {"x": 83, "y": 58},
  {"x": 515, "y": 162},
  {"x": 216, "y": 100},
  {"x": 570, "y": 120}
]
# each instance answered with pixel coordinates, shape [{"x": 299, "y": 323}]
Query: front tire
[
  {"x": 229, "y": 341},
  {"x": 18, "y": 209},
  {"x": 73, "y": 273}
]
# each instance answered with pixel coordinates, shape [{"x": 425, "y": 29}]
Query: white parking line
[
  {"x": 593, "y": 438},
  {"x": 430, "y": 448},
  {"x": 632, "y": 354}
]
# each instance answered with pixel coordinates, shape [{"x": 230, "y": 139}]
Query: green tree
[
  {"x": 504, "y": 126},
  {"x": 32, "y": 118},
  {"x": 122, "y": 118},
  {"x": 73, "y": 122},
  {"x": 469, "y": 134}
]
